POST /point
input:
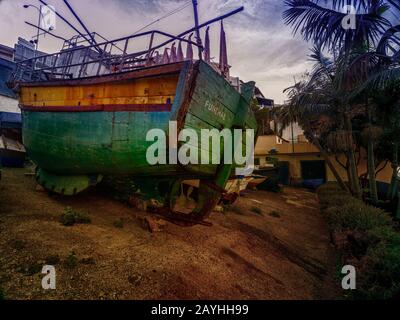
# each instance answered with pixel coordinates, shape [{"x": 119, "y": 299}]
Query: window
[{"x": 257, "y": 161}]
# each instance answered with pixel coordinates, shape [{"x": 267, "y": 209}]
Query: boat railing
[{"x": 97, "y": 59}]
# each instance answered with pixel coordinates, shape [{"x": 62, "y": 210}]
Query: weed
[
  {"x": 256, "y": 210},
  {"x": 17, "y": 244},
  {"x": 52, "y": 260},
  {"x": 71, "y": 217},
  {"x": 275, "y": 214},
  {"x": 71, "y": 260},
  {"x": 31, "y": 269},
  {"x": 87, "y": 260},
  {"x": 234, "y": 209},
  {"x": 119, "y": 224}
]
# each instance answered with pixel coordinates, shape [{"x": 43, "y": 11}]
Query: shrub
[
  {"x": 71, "y": 217},
  {"x": 378, "y": 263},
  {"x": 355, "y": 215},
  {"x": 331, "y": 194},
  {"x": 379, "y": 277},
  {"x": 329, "y": 188},
  {"x": 337, "y": 199}
]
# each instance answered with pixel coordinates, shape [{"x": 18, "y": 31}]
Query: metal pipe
[
  {"x": 66, "y": 21},
  {"x": 173, "y": 38},
  {"x": 48, "y": 32},
  {"x": 80, "y": 21},
  {"x": 196, "y": 23},
  {"x": 38, "y": 32},
  {"x": 26, "y": 6},
  {"x": 205, "y": 24}
]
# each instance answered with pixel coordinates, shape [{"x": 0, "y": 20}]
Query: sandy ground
[{"x": 244, "y": 255}]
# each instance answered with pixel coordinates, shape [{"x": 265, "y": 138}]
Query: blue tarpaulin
[
  {"x": 6, "y": 68},
  {"x": 10, "y": 120}
]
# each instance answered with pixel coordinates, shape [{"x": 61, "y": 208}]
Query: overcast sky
[{"x": 261, "y": 47}]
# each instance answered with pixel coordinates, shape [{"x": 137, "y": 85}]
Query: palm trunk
[
  {"x": 394, "y": 181},
  {"x": 349, "y": 178},
  {"x": 373, "y": 191},
  {"x": 330, "y": 164},
  {"x": 355, "y": 181}
]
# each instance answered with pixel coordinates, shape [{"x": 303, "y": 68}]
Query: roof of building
[
  {"x": 258, "y": 92},
  {"x": 266, "y": 102},
  {"x": 262, "y": 101},
  {"x": 6, "y": 52}
]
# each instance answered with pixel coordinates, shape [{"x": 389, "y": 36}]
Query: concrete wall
[
  {"x": 266, "y": 143},
  {"x": 307, "y": 152}
]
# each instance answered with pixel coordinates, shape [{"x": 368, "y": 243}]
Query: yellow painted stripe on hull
[{"x": 139, "y": 91}]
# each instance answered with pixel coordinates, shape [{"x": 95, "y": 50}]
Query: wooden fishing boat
[{"x": 89, "y": 119}]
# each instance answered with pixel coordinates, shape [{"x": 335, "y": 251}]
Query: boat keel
[{"x": 66, "y": 185}]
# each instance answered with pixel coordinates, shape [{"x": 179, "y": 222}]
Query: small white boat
[
  {"x": 12, "y": 153},
  {"x": 238, "y": 185},
  {"x": 256, "y": 180}
]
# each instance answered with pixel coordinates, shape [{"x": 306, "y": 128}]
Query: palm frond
[
  {"x": 380, "y": 80},
  {"x": 390, "y": 42},
  {"x": 395, "y": 4},
  {"x": 324, "y": 25}
]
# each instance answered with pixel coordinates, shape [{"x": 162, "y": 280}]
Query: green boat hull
[{"x": 74, "y": 150}]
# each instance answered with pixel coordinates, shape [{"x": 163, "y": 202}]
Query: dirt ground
[{"x": 280, "y": 252}]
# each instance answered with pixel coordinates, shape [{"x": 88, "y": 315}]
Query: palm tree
[
  {"x": 312, "y": 117},
  {"x": 377, "y": 70},
  {"x": 323, "y": 24},
  {"x": 357, "y": 52},
  {"x": 327, "y": 91}
]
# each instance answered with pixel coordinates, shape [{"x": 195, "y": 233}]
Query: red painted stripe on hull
[{"x": 104, "y": 108}]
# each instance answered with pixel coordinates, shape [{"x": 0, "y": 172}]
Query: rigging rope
[{"x": 175, "y": 11}]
